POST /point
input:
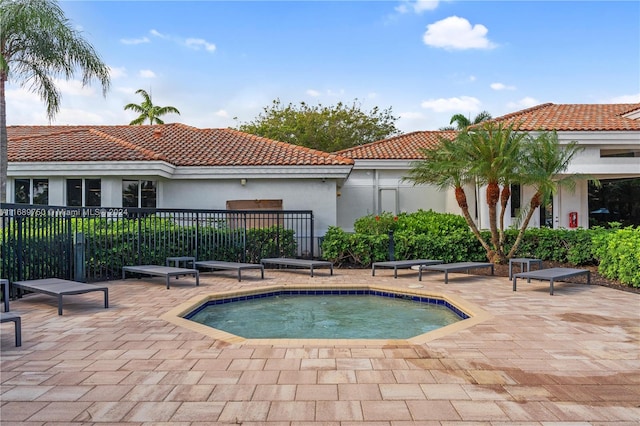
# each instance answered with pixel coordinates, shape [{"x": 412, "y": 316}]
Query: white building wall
[
  {"x": 296, "y": 194},
  {"x": 373, "y": 191}
]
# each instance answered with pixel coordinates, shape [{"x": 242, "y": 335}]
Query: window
[
  {"x": 31, "y": 191},
  {"x": 84, "y": 192},
  {"x": 139, "y": 193},
  {"x": 516, "y": 196}
]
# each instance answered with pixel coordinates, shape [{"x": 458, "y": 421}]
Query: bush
[
  {"x": 619, "y": 254},
  {"x": 423, "y": 234},
  {"x": 431, "y": 235}
]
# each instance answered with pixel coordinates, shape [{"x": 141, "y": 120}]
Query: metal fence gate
[{"x": 92, "y": 244}]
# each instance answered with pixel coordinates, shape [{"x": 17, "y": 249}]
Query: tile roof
[
  {"x": 575, "y": 117},
  {"x": 402, "y": 147},
  {"x": 176, "y": 143}
]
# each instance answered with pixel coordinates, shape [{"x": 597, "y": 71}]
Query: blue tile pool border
[{"x": 331, "y": 292}]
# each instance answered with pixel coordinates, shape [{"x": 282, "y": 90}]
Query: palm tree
[
  {"x": 38, "y": 44},
  {"x": 463, "y": 122},
  {"x": 496, "y": 155},
  {"x": 148, "y": 110},
  {"x": 543, "y": 162}
]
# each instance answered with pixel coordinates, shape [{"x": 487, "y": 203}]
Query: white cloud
[
  {"x": 157, "y": 34},
  {"x": 501, "y": 86},
  {"x": 457, "y": 104},
  {"x": 625, "y": 99},
  {"x": 190, "y": 42},
  {"x": 221, "y": 113},
  {"x": 197, "y": 43},
  {"x": 135, "y": 40},
  {"x": 74, "y": 87},
  {"x": 526, "y": 102},
  {"x": 456, "y": 33},
  {"x": 117, "y": 72},
  {"x": 417, "y": 6},
  {"x": 313, "y": 93},
  {"x": 146, "y": 74}
]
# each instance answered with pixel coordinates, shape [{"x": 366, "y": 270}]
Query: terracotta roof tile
[
  {"x": 575, "y": 117},
  {"x": 176, "y": 144},
  {"x": 402, "y": 147}
]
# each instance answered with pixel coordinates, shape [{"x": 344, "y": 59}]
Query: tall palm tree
[
  {"x": 37, "y": 45},
  {"x": 542, "y": 167},
  {"x": 148, "y": 110},
  {"x": 496, "y": 155}
]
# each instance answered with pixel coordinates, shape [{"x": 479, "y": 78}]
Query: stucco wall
[{"x": 296, "y": 194}]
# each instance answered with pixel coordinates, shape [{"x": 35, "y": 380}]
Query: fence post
[
  {"x": 79, "y": 258},
  {"x": 392, "y": 248}
]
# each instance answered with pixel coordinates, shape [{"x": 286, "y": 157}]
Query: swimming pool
[
  {"x": 327, "y": 314},
  {"x": 179, "y": 314}
]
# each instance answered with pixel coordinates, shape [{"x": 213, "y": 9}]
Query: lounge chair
[
  {"x": 58, "y": 288},
  {"x": 399, "y": 264},
  {"x": 15, "y": 318},
  {"x": 160, "y": 271},
  {"x": 236, "y": 266},
  {"x": 551, "y": 275},
  {"x": 298, "y": 263},
  {"x": 454, "y": 267}
]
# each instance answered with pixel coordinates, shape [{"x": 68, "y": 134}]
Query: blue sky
[{"x": 221, "y": 62}]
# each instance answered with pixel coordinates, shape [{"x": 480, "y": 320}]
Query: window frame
[
  {"x": 141, "y": 186},
  {"x": 33, "y": 193},
  {"x": 88, "y": 192}
]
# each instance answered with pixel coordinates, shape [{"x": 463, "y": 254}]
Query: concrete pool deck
[{"x": 571, "y": 358}]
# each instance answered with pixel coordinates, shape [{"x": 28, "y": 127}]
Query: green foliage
[
  {"x": 111, "y": 244},
  {"x": 148, "y": 111},
  {"x": 619, "y": 254},
  {"x": 423, "y": 234},
  {"x": 38, "y": 46},
  {"x": 376, "y": 224},
  {"x": 557, "y": 245},
  {"x": 431, "y": 235},
  {"x": 324, "y": 128}
]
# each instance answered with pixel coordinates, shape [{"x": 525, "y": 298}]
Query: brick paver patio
[{"x": 568, "y": 359}]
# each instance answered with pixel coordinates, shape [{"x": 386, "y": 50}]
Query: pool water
[{"x": 326, "y": 317}]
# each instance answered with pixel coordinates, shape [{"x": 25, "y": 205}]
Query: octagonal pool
[
  {"x": 244, "y": 314},
  {"x": 327, "y": 314}
]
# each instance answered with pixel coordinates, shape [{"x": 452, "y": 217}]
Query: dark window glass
[
  {"x": 22, "y": 193},
  {"x": 515, "y": 200},
  {"x": 129, "y": 193},
  {"x": 41, "y": 191},
  {"x": 74, "y": 192},
  {"x": 92, "y": 192},
  {"x": 148, "y": 193},
  {"x": 546, "y": 215}
]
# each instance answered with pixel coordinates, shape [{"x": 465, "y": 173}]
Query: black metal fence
[{"x": 92, "y": 244}]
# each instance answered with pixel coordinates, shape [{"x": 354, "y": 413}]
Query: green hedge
[
  {"x": 619, "y": 254},
  {"x": 430, "y": 235},
  {"x": 111, "y": 244}
]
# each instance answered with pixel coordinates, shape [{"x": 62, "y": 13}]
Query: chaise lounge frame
[
  {"x": 15, "y": 318},
  {"x": 299, "y": 263},
  {"x": 401, "y": 264},
  {"x": 237, "y": 266},
  {"x": 551, "y": 275},
  {"x": 161, "y": 271},
  {"x": 57, "y": 287},
  {"x": 455, "y": 267}
]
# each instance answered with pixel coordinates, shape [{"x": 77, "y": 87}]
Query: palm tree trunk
[
  {"x": 493, "y": 196},
  {"x": 504, "y": 199},
  {"x": 533, "y": 205},
  {"x": 3, "y": 140},
  {"x": 461, "y": 198}
]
